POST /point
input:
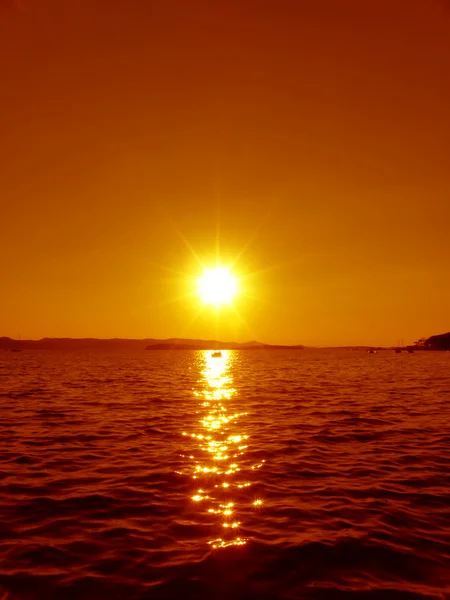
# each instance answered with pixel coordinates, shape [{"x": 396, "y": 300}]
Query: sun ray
[
  {"x": 192, "y": 320},
  {"x": 268, "y": 269},
  {"x": 250, "y": 241},
  {"x": 179, "y": 298},
  {"x": 243, "y": 321},
  {"x": 218, "y": 206},
  {"x": 189, "y": 246}
]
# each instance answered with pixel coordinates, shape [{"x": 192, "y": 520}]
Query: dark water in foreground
[{"x": 314, "y": 474}]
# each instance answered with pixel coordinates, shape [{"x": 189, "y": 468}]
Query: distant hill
[
  {"x": 216, "y": 345},
  {"x": 118, "y": 344},
  {"x": 439, "y": 342}
]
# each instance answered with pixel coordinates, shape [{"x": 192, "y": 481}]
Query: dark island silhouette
[{"x": 120, "y": 344}]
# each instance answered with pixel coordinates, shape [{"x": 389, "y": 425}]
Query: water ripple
[{"x": 313, "y": 474}]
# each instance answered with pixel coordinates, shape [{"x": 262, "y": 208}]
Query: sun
[{"x": 217, "y": 286}]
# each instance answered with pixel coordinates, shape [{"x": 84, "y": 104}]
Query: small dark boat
[{"x": 216, "y": 354}]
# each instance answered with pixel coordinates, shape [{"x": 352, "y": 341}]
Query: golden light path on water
[{"x": 220, "y": 446}]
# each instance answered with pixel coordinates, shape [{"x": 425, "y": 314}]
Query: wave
[{"x": 312, "y": 476}]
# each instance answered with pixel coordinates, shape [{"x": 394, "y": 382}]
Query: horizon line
[{"x": 168, "y": 339}]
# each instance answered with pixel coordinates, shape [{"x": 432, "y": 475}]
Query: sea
[{"x": 309, "y": 474}]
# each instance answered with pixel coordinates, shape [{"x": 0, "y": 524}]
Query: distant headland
[
  {"x": 435, "y": 342},
  {"x": 118, "y": 344}
]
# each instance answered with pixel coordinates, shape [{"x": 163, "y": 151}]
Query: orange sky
[{"x": 314, "y": 133}]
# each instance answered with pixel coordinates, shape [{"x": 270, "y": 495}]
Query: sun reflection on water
[{"x": 216, "y": 457}]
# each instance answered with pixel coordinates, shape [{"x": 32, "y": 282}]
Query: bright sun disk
[{"x": 217, "y": 286}]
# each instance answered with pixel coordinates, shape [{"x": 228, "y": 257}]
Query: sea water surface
[{"x": 259, "y": 474}]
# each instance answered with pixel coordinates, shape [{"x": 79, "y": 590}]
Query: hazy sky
[{"x": 311, "y": 137}]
